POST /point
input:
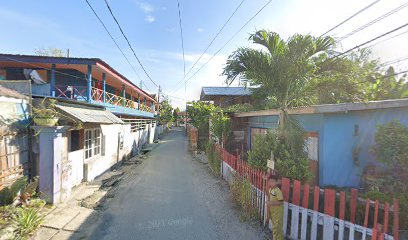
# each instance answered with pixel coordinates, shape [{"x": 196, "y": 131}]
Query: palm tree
[{"x": 281, "y": 70}]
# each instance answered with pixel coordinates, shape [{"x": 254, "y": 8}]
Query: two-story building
[
  {"x": 226, "y": 96},
  {"x": 116, "y": 118}
]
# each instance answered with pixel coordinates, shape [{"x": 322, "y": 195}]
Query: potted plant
[{"x": 45, "y": 114}]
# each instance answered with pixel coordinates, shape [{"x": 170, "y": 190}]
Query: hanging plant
[{"x": 45, "y": 114}]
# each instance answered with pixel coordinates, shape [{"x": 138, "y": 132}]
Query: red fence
[{"x": 306, "y": 207}]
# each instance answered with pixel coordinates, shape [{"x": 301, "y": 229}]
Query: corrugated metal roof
[
  {"x": 332, "y": 108},
  {"x": 226, "y": 91},
  {"x": 88, "y": 115}
]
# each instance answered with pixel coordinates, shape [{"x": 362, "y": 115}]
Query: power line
[
  {"x": 352, "y": 16},
  {"x": 371, "y": 40},
  {"x": 127, "y": 40},
  {"x": 113, "y": 39},
  {"x": 229, "y": 40},
  {"x": 181, "y": 36},
  {"x": 216, "y": 35},
  {"x": 374, "y": 21},
  {"x": 212, "y": 41},
  {"x": 397, "y": 35},
  {"x": 382, "y": 77}
]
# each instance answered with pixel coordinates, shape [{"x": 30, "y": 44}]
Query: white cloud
[
  {"x": 146, "y": 7},
  {"x": 150, "y": 18},
  {"x": 200, "y": 30}
]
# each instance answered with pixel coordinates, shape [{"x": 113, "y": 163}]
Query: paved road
[{"x": 172, "y": 197}]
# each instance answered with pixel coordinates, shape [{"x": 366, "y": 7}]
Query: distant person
[{"x": 275, "y": 204}]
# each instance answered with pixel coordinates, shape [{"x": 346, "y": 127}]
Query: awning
[{"x": 89, "y": 115}]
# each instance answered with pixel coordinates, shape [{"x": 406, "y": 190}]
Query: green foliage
[
  {"x": 46, "y": 109},
  {"x": 26, "y": 221},
  {"x": 8, "y": 194},
  {"x": 246, "y": 107},
  {"x": 354, "y": 78},
  {"x": 214, "y": 159},
  {"x": 294, "y": 168},
  {"x": 289, "y": 163},
  {"x": 176, "y": 117},
  {"x": 166, "y": 112},
  {"x": 391, "y": 148},
  {"x": 383, "y": 197},
  {"x": 241, "y": 197},
  {"x": 391, "y": 145},
  {"x": 221, "y": 126},
  {"x": 200, "y": 113},
  {"x": 281, "y": 68}
]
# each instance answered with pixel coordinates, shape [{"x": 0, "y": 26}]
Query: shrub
[
  {"x": 241, "y": 197},
  {"x": 26, "y": 221},
  {"x": 391, "y": 148},
  {"x": 8, "y": 194},
  {"x": 291, "y": 164},
  {"x": 214, "y": 160},
  {"x": 387, "y": 197}
]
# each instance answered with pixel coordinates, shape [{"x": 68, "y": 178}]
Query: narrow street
[{"x": 172, "y": 196}]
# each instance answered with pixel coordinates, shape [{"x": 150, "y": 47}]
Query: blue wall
[{"x": 337, "y": 141}]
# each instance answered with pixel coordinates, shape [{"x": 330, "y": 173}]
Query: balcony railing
[
  {"x": 97, "y": 95},
  {"x": 72, "y": 92},
  {"x": 79, "y": 93}
]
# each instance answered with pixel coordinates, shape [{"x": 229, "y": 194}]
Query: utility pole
[{"x": 141, "y": 84}]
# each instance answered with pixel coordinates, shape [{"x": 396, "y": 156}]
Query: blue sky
[{"x": 153, "y": 29}]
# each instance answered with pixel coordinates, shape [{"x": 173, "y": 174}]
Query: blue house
[{"x": 340, "y": 136}]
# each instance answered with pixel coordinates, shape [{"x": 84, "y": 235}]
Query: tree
[
  {"x": 281, "y": 70},
  {"x": 166, "y": 112},
  {"x": 221, "y": 126},
  {"x": 200, "y": 113},
  {"x": 50, "y": 51},
  {"x": 176, "y": 117},
  {"x": 354, "y": 78}
]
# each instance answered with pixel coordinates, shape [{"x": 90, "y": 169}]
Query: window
[
  {"x": 93, "y": 141},
  {"x": 97, "y": 141},
  {"x": 75, "y": 143}
]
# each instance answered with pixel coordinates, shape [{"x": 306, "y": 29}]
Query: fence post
[
  {"x": 316, "y": 196},
  {"x": 294, "y": 225},
  {"x": 305, "y": 205},
  {"x": 386, "y": 213},
  {"x": 285, "y": 191},
  {"x": 396, "y": 219},
  {"x": 342, "y": 210},
  {"x": 329, "y": 210},
  {"x": 353, "y": 205}
]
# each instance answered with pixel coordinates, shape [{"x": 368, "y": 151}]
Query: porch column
[
  {"x": 138, "y": 101},
  {"x": 52, "y": 82},
  {"x": 104, "y": 87},
  {"x": 124, "y": 94},
  {"x": 89, "y": 84}
]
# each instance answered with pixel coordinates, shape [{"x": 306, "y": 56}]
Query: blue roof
[{"x": 225, "y": 91}]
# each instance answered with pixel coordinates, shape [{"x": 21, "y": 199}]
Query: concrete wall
[
  {"x": 61, "y": 170},
  {"x": 337, "y": 166}
]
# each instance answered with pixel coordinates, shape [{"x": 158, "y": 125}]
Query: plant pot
[{"x": 49, "y": 122}]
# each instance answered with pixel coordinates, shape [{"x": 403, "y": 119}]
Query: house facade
[
  {"x": 340, "y": 136},
  {"x": 226, "y": 96},
  {"x": 104, "y": 118}
]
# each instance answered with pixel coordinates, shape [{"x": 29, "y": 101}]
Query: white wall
[{"x": 133, "y": 142}]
